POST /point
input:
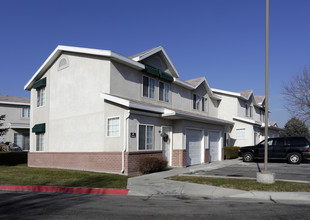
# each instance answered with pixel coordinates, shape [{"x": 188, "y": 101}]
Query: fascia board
[
  {"x": 20, "y": 126},
  {"x": 131, "y": 104},
  {"x": 214, "y": 120},
  {"x": 59, "y": 49},
  {"x": 156, "y": 50},
  {"x": 183, "y": 84},
  {"x": 170, "y": 63},
  {"x": 15, "y": 103},
  {"x": 248, "y": 120}
]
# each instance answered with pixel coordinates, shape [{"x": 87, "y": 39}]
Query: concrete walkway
[{"x": 156, "y": 184}]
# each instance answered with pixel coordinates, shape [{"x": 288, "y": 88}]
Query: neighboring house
[
  {"x": 98, "y": 110},
  {"x": 247, "y": 113},
  {"x": 17, "y": 113}
]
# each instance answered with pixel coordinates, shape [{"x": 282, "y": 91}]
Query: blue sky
[{"x": 223, "y": 40}]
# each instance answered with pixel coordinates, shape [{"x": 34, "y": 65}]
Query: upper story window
[
  {"x": 262, "y": 115},
  {"x": 248, "y": 110},
  {"x": 196, "y": 100},
  {"x": 113, "y": 127},
  {"x": 148, "y": 87},
  {"x": 40, "y": 87},
  {"x": 41, "y": 96},
  {"x": 204, "y": 104},
  {"x": 26, "y": 112},
  {"x": 164, "y": 91}
]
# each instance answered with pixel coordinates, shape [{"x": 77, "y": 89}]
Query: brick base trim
[
  {"x": 207, "y": 155},
  {"x": 179, "y": 158},
  {"x": 109, "y": 162}
]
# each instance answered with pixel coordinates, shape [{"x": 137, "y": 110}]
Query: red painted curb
[{"x": 81, "y": 190}]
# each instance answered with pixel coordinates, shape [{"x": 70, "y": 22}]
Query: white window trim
[
  {"x": 164, "y": 92},
  {"x": 243, "y": 138},
  {"x": 153, "y": 136},
  {"x": 63, "y": 66},
  {"x": 28, "y": 115},
  {"x": 43, "y": 143},
  {"x": 119, "y": 125},
  {"x": 148, "y": 96},
  {"x": 38, "y": 91}
]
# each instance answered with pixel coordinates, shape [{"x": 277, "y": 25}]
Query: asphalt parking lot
[{"x": 282, "y": 170}]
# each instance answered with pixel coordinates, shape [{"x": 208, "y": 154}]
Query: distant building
[{"x": 17, "y": 112}]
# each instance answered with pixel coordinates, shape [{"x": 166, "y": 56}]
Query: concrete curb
[{"x": 80, "y": 190}]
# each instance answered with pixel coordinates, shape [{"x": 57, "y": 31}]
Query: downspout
[{"x": 127, "y": 114}]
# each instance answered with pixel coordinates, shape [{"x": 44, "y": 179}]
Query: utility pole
[{"x": 266, "y": 176}]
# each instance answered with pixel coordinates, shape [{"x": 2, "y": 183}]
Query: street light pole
[
  {"x": 266, "y": 176},
  {"x": 266, "y": 87}
]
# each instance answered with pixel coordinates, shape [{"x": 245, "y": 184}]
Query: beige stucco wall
[
  {"x": 74, "y": 111},
  {"x": 13, "y": 114}
]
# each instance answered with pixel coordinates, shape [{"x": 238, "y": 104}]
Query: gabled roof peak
[{"x": 143, "y": 55}]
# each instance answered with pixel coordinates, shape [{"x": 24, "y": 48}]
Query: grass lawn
[
  {"x": 246, "y": 184},
  {"x": 21, "y": 174}
]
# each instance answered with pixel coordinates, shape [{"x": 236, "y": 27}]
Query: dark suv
[{"x": 293, "y": 149}]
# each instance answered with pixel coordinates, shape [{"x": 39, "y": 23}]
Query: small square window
[{"x": 26, "y": 112}]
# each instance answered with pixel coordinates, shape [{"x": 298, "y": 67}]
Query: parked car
[{"x": 293, "y": 149}]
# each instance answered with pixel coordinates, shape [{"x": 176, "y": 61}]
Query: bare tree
[{"x": 297, "y": 96}]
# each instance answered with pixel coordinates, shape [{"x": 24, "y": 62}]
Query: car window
[
  {"x": 296, "y": 141},
  {"x": 279, "y": 141}
]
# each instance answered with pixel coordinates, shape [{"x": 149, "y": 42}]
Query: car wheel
[
  {"x": 294, "y": 158},
  {"x": 248, "y": 157}
]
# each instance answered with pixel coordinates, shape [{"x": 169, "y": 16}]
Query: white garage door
[
  {"x": 193, "y": 146},
  {"x": 214, "y": 146}
]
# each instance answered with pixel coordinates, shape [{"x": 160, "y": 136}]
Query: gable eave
[
  {"x": 60, "y": 49},
  {"x": 166, "y": 58}
]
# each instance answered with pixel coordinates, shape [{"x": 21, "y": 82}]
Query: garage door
[
  {"x": 214, "y": 146},
  {"x": 193, "y": 146}
]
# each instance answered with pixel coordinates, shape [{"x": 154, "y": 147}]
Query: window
[
  {"x": 22, "y": 140},
  {"x": 26, "y": 112},
  {"x": 40, "y": 142},
  {"x": 146, "y": 137},
  {"x": 41, "y": 96},
  {"x": 248, "y": 110},
  {"x": 113, "y": 127},
  {"x": 164, "y": 91},
  {"x": 262, "y": 116},
  {"x": 63, "y": 63},
  {"x": 204, "y": 104},
  {"x": 148, "y": 87},
  {"x": 196, "y": 101},
  {"x": 240, "y": 133}
]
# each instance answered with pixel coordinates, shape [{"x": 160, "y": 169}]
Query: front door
[{"x": 167, "y": 143}]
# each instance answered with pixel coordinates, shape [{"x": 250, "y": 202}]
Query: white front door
[
  {"x": 193, "y": 146},
  {"x": 214, "y": 146},
  {"x": 167, "y": 144}
]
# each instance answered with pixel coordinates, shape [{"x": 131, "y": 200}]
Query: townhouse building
[
  {"x": 17, "y": 119},
  {"x": 98, "y": 110}
]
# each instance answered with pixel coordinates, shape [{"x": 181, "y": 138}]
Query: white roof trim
[
  {"x": 248, "y": 120},
  {"x": 59, "y": 49},
  {"x": 238, "y": 95},
  {"x": 156, "y": 50},
  {"x": 199, "y": 118},
  {"x": 15, "y": 103},
  {"x": 131, "y": 104},
  {"x": 20, "y": 126},
  {"x": 191, "y": 87}
]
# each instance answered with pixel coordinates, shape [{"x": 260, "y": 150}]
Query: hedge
[{"x": 231, "y": 152}]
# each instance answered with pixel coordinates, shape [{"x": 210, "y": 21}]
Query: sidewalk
[{"x": 156, "y": 184}]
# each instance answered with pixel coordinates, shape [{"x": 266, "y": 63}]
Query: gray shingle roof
[
  {"x": 246, "y": 93},
  {"x": 6, "y": 98},
  {"x": 194, "y": 82}
]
